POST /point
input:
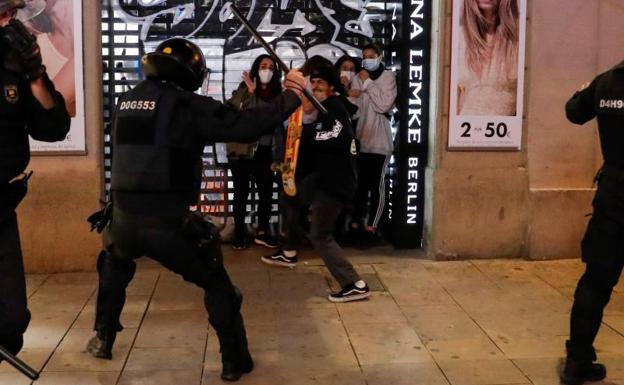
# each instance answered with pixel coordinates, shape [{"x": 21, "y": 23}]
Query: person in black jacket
[
  {"x": 326, "y": 180},
  {"x": 159, "y": 132},
  {"x": 29, "y": 106},
  {"x": 603, "y": 243}
]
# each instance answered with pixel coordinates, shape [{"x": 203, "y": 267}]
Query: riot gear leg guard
[
  {"x": 230, "y": 329},
  {"x": 115, "y": 275}
]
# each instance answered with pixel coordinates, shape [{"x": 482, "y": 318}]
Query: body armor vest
[{"x": 151, "y": 154}]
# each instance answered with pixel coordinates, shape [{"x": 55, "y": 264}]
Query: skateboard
[{"x": 291, "y": 152}]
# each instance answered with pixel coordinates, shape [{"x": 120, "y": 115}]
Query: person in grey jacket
[{"x": 375, "y": 90}]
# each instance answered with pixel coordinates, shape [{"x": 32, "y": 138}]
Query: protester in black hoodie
[{"x": 326, "y": 180}]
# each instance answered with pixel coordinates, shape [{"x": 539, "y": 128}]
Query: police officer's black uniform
[
  {"x": 159, "y": 132},
  {"x": 603, "y": 243},
  {"x": 21, "y": 116}
]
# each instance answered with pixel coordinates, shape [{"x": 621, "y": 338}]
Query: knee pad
[
  {"x": 114, "y": 271},
  {"x": 223, "y": 310},
  {"x": 100, "y": 260}
]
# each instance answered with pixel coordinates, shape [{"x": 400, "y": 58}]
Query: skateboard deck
[{"x": 289, "y": 166}]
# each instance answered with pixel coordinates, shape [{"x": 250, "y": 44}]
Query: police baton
[
  {"x": 18, "y": 364},
  {"x": 273, "y": 54}
]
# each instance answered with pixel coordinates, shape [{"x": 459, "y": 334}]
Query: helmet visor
[{"x": 32, "y": 9}]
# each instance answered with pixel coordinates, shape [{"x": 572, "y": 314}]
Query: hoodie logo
[
  {"x": 327, "y": 135},
  {"x": 10, "y": 93}
]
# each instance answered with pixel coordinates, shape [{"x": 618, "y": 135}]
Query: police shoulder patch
[{"x": 11, "y": 94}]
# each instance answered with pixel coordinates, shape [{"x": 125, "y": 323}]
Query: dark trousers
[
  {"x": 325, "y": 210},
  {"x": 14, "y": 314},
  {"x": 132, "y": 237},
  {"x": 371, "y": 180},
  {"x": 604, "y": 238},
  {"x": 603, "y": 253},
  {"x": 258, "y": 171}
]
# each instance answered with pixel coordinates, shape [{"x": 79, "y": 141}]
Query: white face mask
[
  {"x": 347, "y": 74},
  {"x": 265, "y": 76},
  {"x": 371, "y": 64}
]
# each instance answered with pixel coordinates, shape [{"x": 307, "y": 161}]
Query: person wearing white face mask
[
  {"x": 375, "y": 90},
  {"x": 348, "y": 67},
  {"x": 252, "y": 162}
]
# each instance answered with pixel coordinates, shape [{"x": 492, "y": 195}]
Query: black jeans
[
  {"x": 258, "y": 171},
  {"x": 165, "y": 241},
  {"x": 603, "y": 253},
  {"x": 325, "y": 210},
  {"x": 14, "y": 314},
  {"x": 371, "y": 179}
]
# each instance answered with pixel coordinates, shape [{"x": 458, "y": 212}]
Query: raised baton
[{"x": 272, "y": 53}]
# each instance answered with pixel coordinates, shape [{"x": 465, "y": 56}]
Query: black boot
[
  {"x": 101, "y": 346},
  {"x": 234, "y": 364},
  {"x": 235, "y": 355},
  {"x": 577, "y": 373}
]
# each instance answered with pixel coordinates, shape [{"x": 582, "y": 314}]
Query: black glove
[
  {"x": 17, "y": 190},
  {"x": 101, "y": 218},
  {"x": 24, "y": 54}
]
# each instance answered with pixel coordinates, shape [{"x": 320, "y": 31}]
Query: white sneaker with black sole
[
  {"x": 279, "y": 259},
  {"x": 353, "y": 292}
]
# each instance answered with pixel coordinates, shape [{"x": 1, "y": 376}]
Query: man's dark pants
[
  {"x": 165, "y": 242},
  {"x": 603, "y": 253},
  {"x": 325, "y": 210},
  {"x": 14, "y": 314}
]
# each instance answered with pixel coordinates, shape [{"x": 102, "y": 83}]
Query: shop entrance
[{"x": 298, "y": 29}]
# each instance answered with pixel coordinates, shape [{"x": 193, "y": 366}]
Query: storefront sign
[{"x": 413, "y": 103}]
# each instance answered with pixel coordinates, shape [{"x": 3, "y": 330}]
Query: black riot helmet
[
  {"x": 177, "y": 60},
  {"x": 7, "y": 5}
]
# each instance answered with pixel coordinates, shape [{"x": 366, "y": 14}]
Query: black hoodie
[{"x": 328, "y": 152}]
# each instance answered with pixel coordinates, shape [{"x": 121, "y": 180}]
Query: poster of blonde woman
[
  {"x": 487, "y": 74},
  {"x": 57, "y": 24}
]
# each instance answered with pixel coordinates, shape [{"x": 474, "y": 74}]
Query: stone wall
[{"x": 533, "y": 203}]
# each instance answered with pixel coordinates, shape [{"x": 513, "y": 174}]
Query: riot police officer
[
  {"x": 29, "y": 105},
  {"x": 603, "y": 243},
  {"x": 159, "y": 132}
]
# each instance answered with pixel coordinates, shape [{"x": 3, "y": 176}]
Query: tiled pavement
[{"x": 430, "y": 323}]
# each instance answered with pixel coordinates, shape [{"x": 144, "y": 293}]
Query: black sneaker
[
  {"x": 240, "y": 243},
  {"x": 279, "y": 259},
  {"x": 266, "y": 240},
  {"x": 576, "y": 373},
  {"x": 350, "y": 293}
]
